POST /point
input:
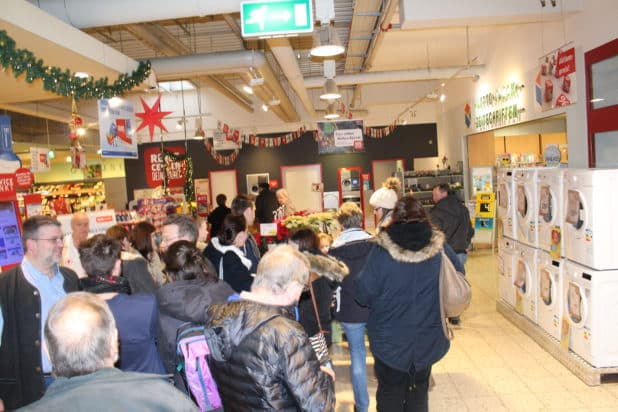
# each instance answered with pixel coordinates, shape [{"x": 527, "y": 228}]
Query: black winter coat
[
  {"x": 354, "y": 254},
  {"x": 452, "y": 217},
  {"x": 269, "y": 363},
  {"x": 399, "y": 284},
  {"x": 184, "y": 301}
]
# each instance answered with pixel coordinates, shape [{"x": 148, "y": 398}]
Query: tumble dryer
[
  {"x": 551, "y": 210},
  {"x": 591, "y": 227},
  {"x": 506, "y": 209},
  {"x": 525, "y": 280},
  {"x": 550, "y": 289},
  {"x": 506, "y": 257},
  {"x": 526, "y": 206},
  {"x": 591, "y": 309}
]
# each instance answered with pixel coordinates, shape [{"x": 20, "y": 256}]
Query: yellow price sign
[{"x": 485, "y": 204}]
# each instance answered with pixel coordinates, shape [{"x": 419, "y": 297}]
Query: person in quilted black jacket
[{"x": 269, "y": 364}]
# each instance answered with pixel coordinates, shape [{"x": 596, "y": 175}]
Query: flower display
[{"x": 319, "y": 221}]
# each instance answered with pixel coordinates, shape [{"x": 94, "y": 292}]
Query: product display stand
[{"x": 590, "y": 375}]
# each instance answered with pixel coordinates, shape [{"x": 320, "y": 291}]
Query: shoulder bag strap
[
  {"x": 445, "y": 327},
  {"x": 315, "y": 306}
]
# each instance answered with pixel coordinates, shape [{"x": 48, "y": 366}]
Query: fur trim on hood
[
  {"x": 388, "y": 240},
  {"x": 327, "y": 266}
]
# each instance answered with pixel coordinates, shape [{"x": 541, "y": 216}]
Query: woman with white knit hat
[{"x": 383, "y": 201}]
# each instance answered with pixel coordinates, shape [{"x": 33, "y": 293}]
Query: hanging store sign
[
  {"x": 275, "y": 18},
  {"x": 498, "y": 108},
  {"x": 555, "y": 82},
  {"x": 117, "y": 135},
  {"x": 340, "y": 137}
]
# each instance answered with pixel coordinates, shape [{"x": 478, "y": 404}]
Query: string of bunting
[
  {"x": 63, "y": 82},
  {"x": 223, "y": 160},
  {"x": 168, "y": 158},
  {"x": 379, "y": 132},
  {"x": 277, "y": 141}
]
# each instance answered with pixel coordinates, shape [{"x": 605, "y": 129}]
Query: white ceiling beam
[
  {"x": 423, "y": 14},
  {"x": 95, "y": 13}
]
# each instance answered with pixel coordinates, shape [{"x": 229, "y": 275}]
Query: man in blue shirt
[{"x": 27, "y": 293}]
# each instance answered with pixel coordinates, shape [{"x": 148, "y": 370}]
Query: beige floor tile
[
  {"x": 561, "y": 400},
  {"x": 521, "y": 402},
  {"x": 490, "y": 404},
  {"x": 448, "y": 405}
]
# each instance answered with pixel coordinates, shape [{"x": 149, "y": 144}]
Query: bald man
[
  {"x": 80, "y": 226},
  {"x": 82, "y": 341}
]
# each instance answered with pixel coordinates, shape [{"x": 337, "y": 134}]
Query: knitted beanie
[{"x": 384, "y": 198}]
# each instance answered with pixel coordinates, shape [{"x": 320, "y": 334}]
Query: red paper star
[{"x": 151, "y": 117}]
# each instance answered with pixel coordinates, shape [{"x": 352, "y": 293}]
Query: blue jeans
[
  {"x": 463, "y": 257},
  {"x": 355, "y": 333}
]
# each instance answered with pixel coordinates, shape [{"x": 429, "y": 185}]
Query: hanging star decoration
[{"x": 152, "y": 116}]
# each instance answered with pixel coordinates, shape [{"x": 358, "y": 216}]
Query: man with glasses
[
  {"x": 27, "y": 292},
  {"x": 175, "y": 228}
]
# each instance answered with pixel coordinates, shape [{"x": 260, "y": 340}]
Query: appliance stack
[{"x": 558, "y": 255}]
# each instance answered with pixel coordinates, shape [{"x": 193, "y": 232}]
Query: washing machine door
[
  {"x": 576, "y": 304},
  {"x": 522, "y": 277},
  {"x": 524, "y": 205},
  {"x": 547, "y": 205},
  {"x": 576, "y": 214},
  {"x": 503, "y": 196},
  {"x": 548, "y": 282}
]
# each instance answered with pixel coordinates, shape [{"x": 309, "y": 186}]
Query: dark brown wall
[{"x": 409, "y": 141}]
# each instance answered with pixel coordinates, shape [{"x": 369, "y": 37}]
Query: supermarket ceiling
[{"x": 387, "y": 42}]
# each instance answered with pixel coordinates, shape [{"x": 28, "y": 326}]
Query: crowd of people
[{"x": 93, "y": 322}]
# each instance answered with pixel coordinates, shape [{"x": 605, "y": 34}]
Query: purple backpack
[{"x": 193, "y": 351}]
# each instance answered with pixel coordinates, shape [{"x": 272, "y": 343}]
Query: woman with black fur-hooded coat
[
  {"x": 326, "y": 273},
  {"x": 400, "y": 285}
]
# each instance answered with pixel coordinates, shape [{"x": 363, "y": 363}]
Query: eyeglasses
[{"x": 53, "y": 239}]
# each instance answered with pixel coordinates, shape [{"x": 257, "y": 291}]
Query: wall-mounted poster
[
  {"x": 345, "y": 136},
  {"x": 556, "y": 80},
  {"x": 482, "y": 180},
  {"x": 116, "y": 132}
]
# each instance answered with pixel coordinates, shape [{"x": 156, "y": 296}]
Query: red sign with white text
[
  {"x": 24, "y": 178},
  {"x": 154, "y": 164},
  {"x": 8, "y": 185}
]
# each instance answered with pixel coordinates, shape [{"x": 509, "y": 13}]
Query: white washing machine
[
  {"x": 506, "y": 258},
  {"x": 525, "y": 280},
  {"x": 551, "y": 210},
  {"x": 506, "y": 209},
  {"x": 526, "y": 206},
  {"x": 591, "y": 309},
  {"x": 591, "y": 227},
  {"x": 550, "y": 289}
]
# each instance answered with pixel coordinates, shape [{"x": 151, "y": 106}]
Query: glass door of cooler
[{"x": 602, "y": 105}]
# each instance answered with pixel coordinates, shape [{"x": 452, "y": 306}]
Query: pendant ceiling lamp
[
  {"x": 326, "y": 42},
  {"x": 331, "y": 91},
  {"x": 331, "y": 112}
]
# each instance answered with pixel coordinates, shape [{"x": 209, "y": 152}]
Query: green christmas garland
[
  {"x": 63, "y": 82},
  {"x": 189, "y": 188}
]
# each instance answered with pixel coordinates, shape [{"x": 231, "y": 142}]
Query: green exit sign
[{"x": 275, "y": 18}]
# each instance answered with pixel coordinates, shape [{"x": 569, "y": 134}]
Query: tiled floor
[{"x": 492, "y": 365}]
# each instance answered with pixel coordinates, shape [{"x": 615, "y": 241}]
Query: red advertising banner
[
  {"x": 8, "y": 184},
  {"x": 154, "y": 164}
]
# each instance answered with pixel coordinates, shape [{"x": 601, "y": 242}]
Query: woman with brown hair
[
  {"x": 192, "y": 287},
  {"x": 143, "y": 242},
  {"x": 400, "y": 285}
]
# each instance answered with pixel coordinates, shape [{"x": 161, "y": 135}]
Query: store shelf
[
  {"x": 422, "y": 185},
  {"x": 590, "y": 375},
  {"x": 65, "y": 198}
]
